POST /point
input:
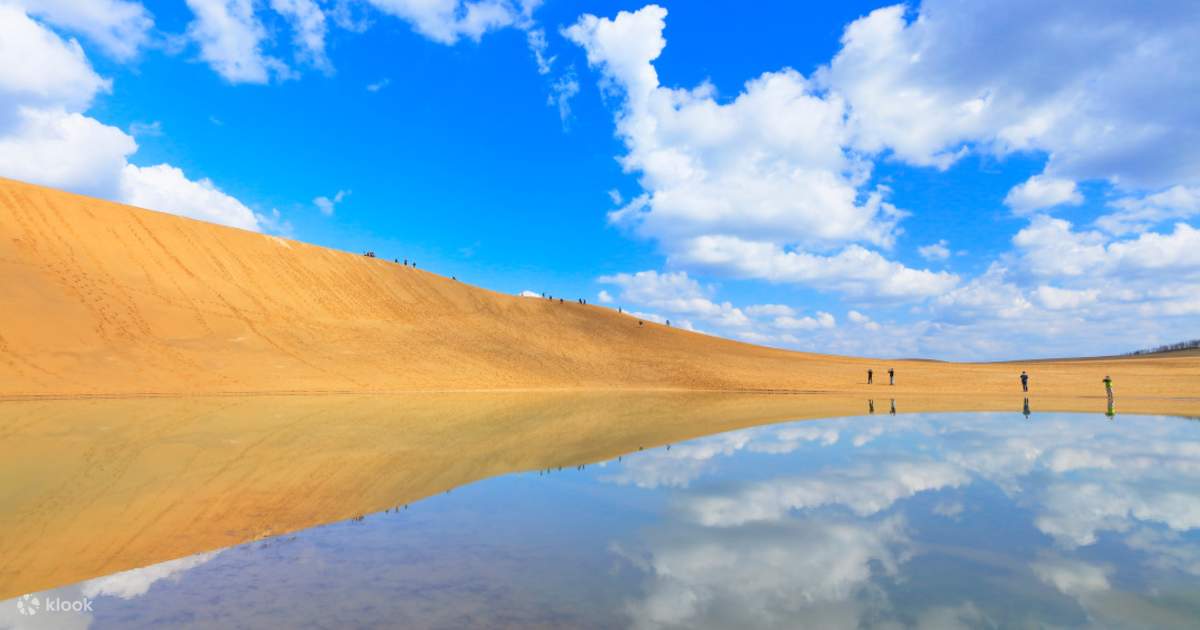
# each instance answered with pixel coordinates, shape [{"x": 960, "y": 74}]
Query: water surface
[{"x": 925, "y": 520}]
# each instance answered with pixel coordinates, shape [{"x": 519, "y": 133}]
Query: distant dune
[{"x": 103, "y": 299}]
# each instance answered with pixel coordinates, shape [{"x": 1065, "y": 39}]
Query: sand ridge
[{"x": 99, "y": 298}]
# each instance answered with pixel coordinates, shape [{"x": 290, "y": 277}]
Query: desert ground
[{"x": 103, "y": 299}]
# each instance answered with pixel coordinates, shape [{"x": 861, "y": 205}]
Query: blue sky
[{"x": 951, "y": 180}]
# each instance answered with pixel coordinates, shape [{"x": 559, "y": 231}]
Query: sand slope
[{"x": 98, "y": 298}]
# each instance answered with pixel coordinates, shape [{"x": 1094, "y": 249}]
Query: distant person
[
  {"x": 668, "y": 323},
  {"x": 1108, "y": 389},
  {"x": 870, "y": 376},
  {"x": 1025, "y": 410},
  {"x": 1024, "y": 381},
  {"x": 893, "y": 411},
  {"x": 891, "y": 376},
  {"x": 619, "y": 310},
  {"x": 405, "y": 262},
  {"x": 871, "y": 407},
  {"x": 639, "y": 322},
  {"x": 560, "y": 300}
]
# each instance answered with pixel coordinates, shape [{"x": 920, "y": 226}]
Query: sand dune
[{"x": 100, "y": 298}]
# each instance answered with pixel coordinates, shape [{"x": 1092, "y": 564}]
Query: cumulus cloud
[
  {"x": 446, "y": 21},
  {"x": 46, "y": 85},
  {"x": 855, "y": 270},
  {"x": 1102, "y": 91},
  {"x": 165, "y": 188},
  {"x": 39, "y": 69},
  {"x": 308, "y": 27},
  {"x": 935, "y": 251},
  {"x": 119, "y": 27},
  {"x": 743, "y": 186},
  {"x": 231, "y": 38},
  {"x": 1040, "y": 192},
  {"x": 675, "y": 293},
  {"x": 65, "y": 150},
  {"x": 1140, "y": 213}
]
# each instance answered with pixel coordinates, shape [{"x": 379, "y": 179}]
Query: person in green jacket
[{"x": 1108, "y": 390}]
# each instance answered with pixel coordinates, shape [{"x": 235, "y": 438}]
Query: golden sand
[{"x": 98, "y": 298}]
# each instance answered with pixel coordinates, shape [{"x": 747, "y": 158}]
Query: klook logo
[{"x": 30, "y": 605}]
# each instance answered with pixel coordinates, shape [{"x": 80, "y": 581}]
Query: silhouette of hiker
[
  {"x": 1108, "y": 390},
  {"x": 639, "y": 322},
  {"x": 870, "y": 376},
  {"x": 668, "y": 323},
  {"x": 1025, "y": 409},
  {"x": 1024, "y": 381},
  {"x": 871, "y": 407},
  {"x": 891, "y": 376},
  {"x": 893, "y": 411}
]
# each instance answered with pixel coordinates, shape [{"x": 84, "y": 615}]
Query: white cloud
[
  {"x": 39, "y": 69},
  {"x": 231, "y": 40},
  {"x": 165, "y": 188},
  {"x": 765, "y": 173},
  {"x": 120, "y": 27},
  {"x": 1072, "y": 577},
  {"x": 1137, "y": 214},
  {"x": 378, "y": 85},
  {"x": 616, "y": 197},
  {"x": 137, "y": 582},
  {"x": 561, "y": 92},
  {"x": 1057, "y": 299},
  {"x": 935, "y": 251},
  {"x": 855, "y": 270},
  {"x": 65, "y": 150},
  {"x": 308, "y": 26},
  {"x": 865, "y": 491},
  {"x": 1052, "y": 248},
  {"x": 604, "y": 297},
  {"x": 45, "y": 85},
  {"x": 152, "y": 129},
  {"x": 529, "y": 294},
  {"x": 675, "y": 293},
  {"x": 536, "y": 39},
  {"x": 822, "y": 320},
  {"x": 446, "y": 21},
  {"x": 326, "y": 205},
  {"x": 770, "y": 310},
  {"x": 1040, "y": 192},
  {"x": 1074, "y": 85}
]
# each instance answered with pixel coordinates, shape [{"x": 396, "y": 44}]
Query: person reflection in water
[
  {"x": 871, "y": 407},
  {"x": 1025, "y": 410},
  {"x": 893, "y": 411}
]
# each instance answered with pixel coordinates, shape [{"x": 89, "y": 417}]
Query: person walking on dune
[
  {"x": 1108, "y": 389},
  {"x": 1024, "y": 381},
  {"x": 870, "y": 376},
  {"x": 891, "y": 376}
]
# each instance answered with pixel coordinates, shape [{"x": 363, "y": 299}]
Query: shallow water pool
[{"x": 924, "y": 520}]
